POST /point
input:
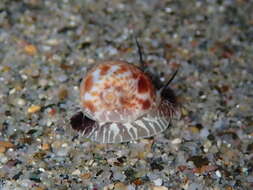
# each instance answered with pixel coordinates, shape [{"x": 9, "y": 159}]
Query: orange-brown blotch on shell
[
  {"x": 88, "y": 83},
  {"x": 104, "y": 69},
  {"x": 122, "y": 70},
  {"x": 146, "y": 104},
  {"x": 143, "y": 84},
  {"x": 89, "y": 105}
]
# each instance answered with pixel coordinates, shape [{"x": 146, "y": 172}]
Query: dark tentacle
[
  {"x": 167, "y": 93},
  {"x": 171, "y": 79},
  {"x": 140, "y": 54}
]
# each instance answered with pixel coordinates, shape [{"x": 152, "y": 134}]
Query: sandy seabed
[{"x": 46, "y": 47}]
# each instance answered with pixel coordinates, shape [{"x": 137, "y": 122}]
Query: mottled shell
[
  {"x": 120, "y": 104},
  {"x": 115, "y": 91}
]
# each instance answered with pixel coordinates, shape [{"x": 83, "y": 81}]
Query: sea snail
[{"x": 121, "y": 103}]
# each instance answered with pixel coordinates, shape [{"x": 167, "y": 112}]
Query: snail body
[{"x": 120, "y": 104}]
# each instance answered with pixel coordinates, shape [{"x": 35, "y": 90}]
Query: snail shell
[
  {"x": 120, "y": 104},
  {"x": 116, "y": 91}
]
